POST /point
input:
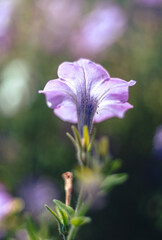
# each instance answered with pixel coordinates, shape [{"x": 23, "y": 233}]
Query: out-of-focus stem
[{"x": 80, "y": 200}]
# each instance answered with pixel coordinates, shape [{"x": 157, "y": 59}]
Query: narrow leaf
[
  {"x": 54, "y": 214},
  {"x": 31, "y": 229}
]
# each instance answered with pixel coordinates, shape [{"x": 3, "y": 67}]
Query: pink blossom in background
[
  {"x": 5, "y": 202},
  {"x": 7, "y": 8},
  {"x": 103, "y": 26},
  {"x": 54, "y": 21},
  {"x": 85, "y": 93}
]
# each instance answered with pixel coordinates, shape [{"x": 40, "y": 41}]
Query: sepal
[
  {"x": 72, "y": 140},
  {"x": 86, "y": 138},
  {"x": 77, "y": 136},
  {"x": 83, "y": 144},
  {"x": 92, "y": 139}
]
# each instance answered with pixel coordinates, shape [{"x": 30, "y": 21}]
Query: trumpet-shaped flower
[{"x": 85, "y": 93}]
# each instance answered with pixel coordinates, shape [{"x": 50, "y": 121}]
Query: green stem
[
  {"x": 79, "y": 210},
  {"x": 72, "y": 233},
  {"x": 80, "y": 201},
  {"x": 73, "y": 228},
  {"x": 65, "y": 237}
]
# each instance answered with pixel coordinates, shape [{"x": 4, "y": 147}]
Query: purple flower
[
  {"x": 57, "y": 19},
  {"x": 36, "y": 193},
  {"x": 99, "y": 30},
  {"x": 150, "y": 3},
  {"x": 85, "y": 93}
]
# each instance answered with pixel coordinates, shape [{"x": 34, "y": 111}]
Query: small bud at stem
[{"x": 68, "y": 178}]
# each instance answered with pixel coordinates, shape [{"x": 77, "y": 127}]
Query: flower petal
[
  {"x": 95, "y": 74},
  {"x": 114, "y": 89},
  {"x": 83, "y": 74},
  {"x": 73, "y": 75},
  {"x": 57, "y": 91},
  {"x": 111, "y": 109},
  {"x": 67, "y": 112}
]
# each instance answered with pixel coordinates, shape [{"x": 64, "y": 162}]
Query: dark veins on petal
[{"x": 86, "y": 110}]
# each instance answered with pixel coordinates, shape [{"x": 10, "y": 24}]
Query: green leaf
[
  {"x": 67, "y": 209},
  {"x": 62, "y": 229},
  {"x": 78, "y": 221},
  {"x": 113, "y": 180},
  {"x": 31, "y": 229},
  {"x": 63, "y": 216},
  {"x": 115, "y": 165},
  {"x": 54, "y": 214}
]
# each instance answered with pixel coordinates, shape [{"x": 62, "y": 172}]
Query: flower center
[{"x": 85, "y": 111}]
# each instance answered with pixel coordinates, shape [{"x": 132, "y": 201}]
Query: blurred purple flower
[
  {"x": 57, "y": 19},
  {"x": 157, "y": 143},
  {"x": 6, "y": 12},
  {"x": 5, "y": 202},
  {"x": 22, "y": 234},
  {"x": 36, "y": 193},
  {"x": 150, "y": 3},
  {"x": 99, "y": 30},
  {"x": 85, "y": 93}
]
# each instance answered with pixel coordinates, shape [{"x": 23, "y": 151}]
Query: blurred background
[{"x": 35, "y": 37}]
